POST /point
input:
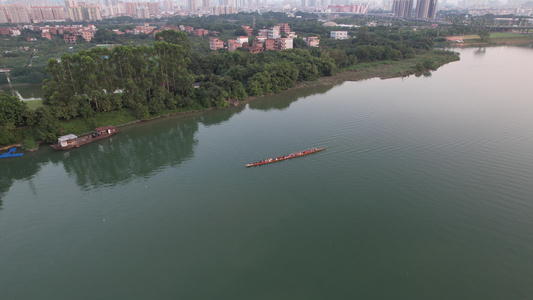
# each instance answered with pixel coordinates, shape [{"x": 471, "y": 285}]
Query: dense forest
[{"x": 169, "y": 76}]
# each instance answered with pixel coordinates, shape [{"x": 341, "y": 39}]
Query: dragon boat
[{"x": 284, "y": 157}]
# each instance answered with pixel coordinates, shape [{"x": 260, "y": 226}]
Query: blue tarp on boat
[{"x": 11, "y": 153}]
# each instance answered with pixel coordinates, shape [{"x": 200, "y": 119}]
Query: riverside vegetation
[{"x": 99, "y": 87}]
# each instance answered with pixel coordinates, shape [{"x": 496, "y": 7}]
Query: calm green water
[{"x": 424, "y": 192}]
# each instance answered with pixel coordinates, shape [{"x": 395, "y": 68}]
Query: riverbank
[
  {"x": 422, "y": 62},
  {"x": 430, "y": 61},
  {"x": 495, "y": 39}
]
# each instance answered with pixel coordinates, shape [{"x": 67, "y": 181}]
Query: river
[{"x": 424, "y": 191}]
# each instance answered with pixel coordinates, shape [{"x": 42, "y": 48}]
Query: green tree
[
  {"x": 174, "y": 37},
  {"x": 11, "y": 110},
  {"x": 47, "y": 128},
  {"x": 298, "y": 43},
  {"x": 6, "y": 133},
  {"x": 240, "y": 32},
  {"x": 105, "y": 36},
  {"x": 484, "y": 35}
]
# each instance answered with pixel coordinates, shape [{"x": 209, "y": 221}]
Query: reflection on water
[
  {"x": 19, "y": 168},
  {"x": 281, "y": 103},
  {"x": 218, "y": 116},
  {"x": 138, "y": 150},
  {"x": 481, "y": 50},
  {"x": 426, "y": 180},
  {"x": 130, "y": 155}
]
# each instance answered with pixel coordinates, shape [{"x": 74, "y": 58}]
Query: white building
[
  {"x": 339, "y": 35},
  {"x": 242, "y": 39},
  {"x": 274, "y": 33}
]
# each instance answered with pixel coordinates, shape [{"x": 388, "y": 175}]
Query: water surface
[{"x": 423, "y": 192}]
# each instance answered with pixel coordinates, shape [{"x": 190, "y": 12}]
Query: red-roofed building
[
  {"x": 70, "y": 39},
  {"x": 200, "y": 32},
  {"x": 87, "y": 35},
  {"x": 233, "y": 45},
  {"x": 4, "y": 31},
  {"x": 215, "y": 43},
  {"x": 312, "y": 41},
  {"x": 249, "y": 30},
  {"x": 284, "y": 27},
  {"x": 46, "y": 34},
  {"x": 271, "y": 44}
]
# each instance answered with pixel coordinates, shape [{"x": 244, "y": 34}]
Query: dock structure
[{"x": 6, "y": 71}]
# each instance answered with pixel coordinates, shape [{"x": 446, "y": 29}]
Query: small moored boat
[
  {"x": 70, "y": 141},
  {"x": 284, "y": 157},
  {"x": 11, "y": 153}
]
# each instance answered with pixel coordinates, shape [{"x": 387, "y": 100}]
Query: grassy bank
[
  {"x": 115, "y": 118},
  {"x": 34, "y": 104},
  {"x": 390, "y": 69},
  {"x": 495, "y": 39}
]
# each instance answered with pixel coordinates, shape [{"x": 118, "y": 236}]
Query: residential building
[
  {"x": 285, "y": 43},
  {"x": 87, "y": 34},
  {"x": 16, "y": 13},
  {"x": 432, "y": 11},
  {"x": 262, "y": 33},
  {"x": 14, "y": 32},
  {"x": 145, "y": 29},
  {"x": 426, "y": 9},
  {"x": 284, "y": 27},
  {"x": 339, "y": 35},
  {"x": 312, "y": 41},
  {"x": 192, "y": 5},
  {"x": 273, "y": 32},
  {"x": 200, "y": 32},
  {"x": 3, "y": 15},
  {"x": 271, "y": 44},
  {"x": 242, "y": 39},
  {"x": 249, "y": 30},
  {"x": 47, "y": 14},
  {"x": 233, "y": 45},
  {"x": 402, "y": 8},
  {"x": 215, "y": 43},
  {"x": 45, "y": 33},
  {"x": 70, "y": 38}
]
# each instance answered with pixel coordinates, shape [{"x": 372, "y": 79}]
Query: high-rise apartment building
[
  {"x": 402, "y": 8},
  {"x": 91, "y": 13},
  {"x": 153, "y": 8},
  {"x": 47, "y": 14},
  {"x": 426, "y": 9},
  {"x": 3, "y": 15},
  {"x": 432, "y": 11},
  {"x": 71, "y": 3},
  {"x": 131, "y": 8},
  {"x": 168, "y": 5},
  {"x": 16, "y": 13},
  {"x": 192, "y": 5},
  {"x": 84, "y": 13}
]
